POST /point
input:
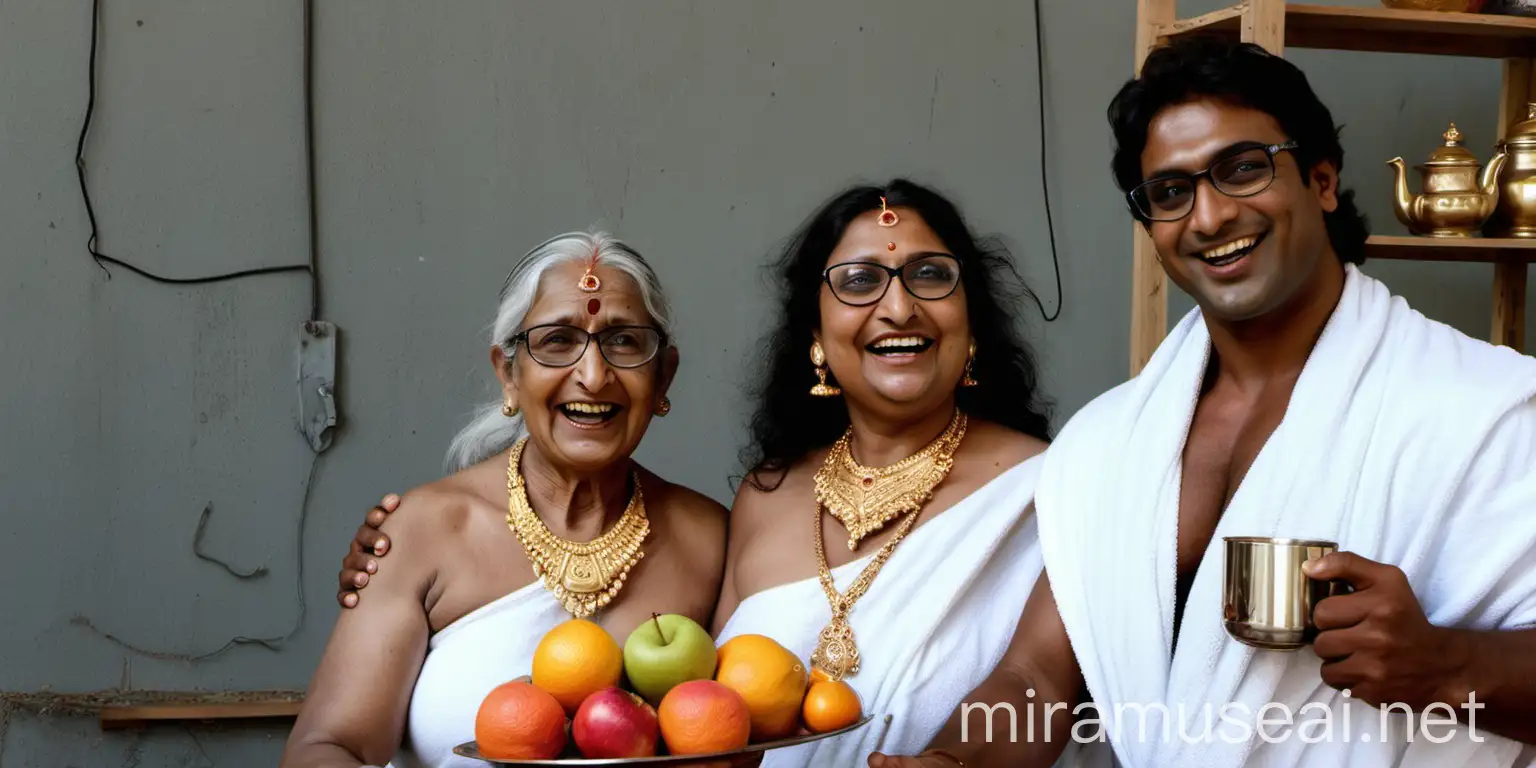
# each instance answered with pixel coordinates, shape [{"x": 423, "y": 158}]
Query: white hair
[{"x": 490, "y": 431}]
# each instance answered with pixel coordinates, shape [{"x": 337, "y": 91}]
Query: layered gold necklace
[
  {"x": 583, "y": 575},
  {"x": 864, "y": 499},
  {"x": 869, "y": 499}
]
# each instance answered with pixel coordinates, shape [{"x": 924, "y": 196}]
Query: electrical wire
[
  {"x": 90, "y": 208},
  {"x": 1045, "y": 184},
  {"x": 270, "y": 643},
  {"x": 309, "y": 159}
]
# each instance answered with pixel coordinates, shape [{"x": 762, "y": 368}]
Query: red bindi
[
  {"x": 593, "y": 305},
  {"x": 890, "y": 246}
]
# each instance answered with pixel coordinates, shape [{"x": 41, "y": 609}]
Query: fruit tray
[{"x": 468, "y": 750}]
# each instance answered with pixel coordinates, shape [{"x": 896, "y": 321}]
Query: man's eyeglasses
[
  {"x": 560, "y": 346},
  {"x": 1245, "y": 173},
  {"x": 861, "y": 283}
]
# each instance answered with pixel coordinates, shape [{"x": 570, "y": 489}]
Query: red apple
[{"x": 613, "y": 722}]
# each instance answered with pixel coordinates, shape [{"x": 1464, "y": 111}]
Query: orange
[
  {"x": 769, "y": 678},
  {"x": 830, "y": 705},
  {"x": 702, "y": 716},
  {"x": 576, "y": 659},
  {"x": 518, "y": 721}
]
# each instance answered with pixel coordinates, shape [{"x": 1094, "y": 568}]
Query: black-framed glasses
[
  {"x": 1243, "y": 173},
  {"x": 861, "y": 283},
  {"x": 560, "y": 346}
]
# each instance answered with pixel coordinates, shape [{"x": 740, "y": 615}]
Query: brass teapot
[
  {"x": 1515, "y": 214},
  {"x": 1457, "y": 199}
]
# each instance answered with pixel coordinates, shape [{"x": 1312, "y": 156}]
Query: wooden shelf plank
[
  {"x": 1485, "y": 250},
  {"x": 1383, "y": 30},
  {"x": 131, "y": 716}
]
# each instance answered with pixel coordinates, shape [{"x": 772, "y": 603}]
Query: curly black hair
[
  {"x": 790, "y": 423},
  {"x": 1246, "y": 75}
]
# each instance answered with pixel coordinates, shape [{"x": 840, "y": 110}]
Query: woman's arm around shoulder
[{"x": 354, "y": 712}]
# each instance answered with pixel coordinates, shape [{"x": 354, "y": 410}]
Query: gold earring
[
  {"x": 664, "y": 407},
  {"x": 969, "y": 363},
  {"x": 508, "y": 409},
  {"x": 819, "y": 359}
]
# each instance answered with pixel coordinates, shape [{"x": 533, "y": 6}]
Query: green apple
[{"x": 665, "y": 651}]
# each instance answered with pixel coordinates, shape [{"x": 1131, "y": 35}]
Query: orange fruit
[
  {"x": 576, "y": 659},
  {"x": 830, "y": 705},
  {"x": 769, "y": 678},
  {"x": 817, "y": 676},
  {"x": 518, "y": 721},
  {"x": 702, "y": 716}
]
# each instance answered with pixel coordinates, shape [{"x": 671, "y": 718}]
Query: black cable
[
  {"x": 90, "y": 209},
  {"x": 309, "y": 159},
  {"x": 1045, "y": 184},
  {"x": 270, "y": 643}
]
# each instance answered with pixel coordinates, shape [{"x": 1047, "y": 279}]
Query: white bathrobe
[
  {"x": 1404, "y": 441},
  {"x": 933, "y": 625}
]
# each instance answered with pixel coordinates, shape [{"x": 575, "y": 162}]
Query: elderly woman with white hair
[{"x": 542, "y": 478}]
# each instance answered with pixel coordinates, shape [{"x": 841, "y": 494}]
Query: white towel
[
  {"x": 932, "y": 627},
  {"x": 465, "y": 660},
  {"x": 1404, "y": 441}
]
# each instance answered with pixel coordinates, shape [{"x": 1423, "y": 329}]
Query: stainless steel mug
[{"x": 1267, "y": 600}]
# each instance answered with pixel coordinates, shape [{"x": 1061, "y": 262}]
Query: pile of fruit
[{"x": 667, "y": 691}]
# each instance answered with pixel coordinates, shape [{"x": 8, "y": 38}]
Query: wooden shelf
[
  {"x": 1486, "y": 250},
  {"x": 1382, "y": 30},
  {"x": 129, "y": 716},
  {"x": 1276, "y": 25}
]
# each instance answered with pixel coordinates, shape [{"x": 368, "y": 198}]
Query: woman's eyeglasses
[
  {"x": 861, "y": 283},
  {"x": 560, "y": 346},
  {"x": 1246, "y": 173}
]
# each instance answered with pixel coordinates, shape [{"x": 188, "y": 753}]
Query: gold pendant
[{"x": 836, "y": 652}]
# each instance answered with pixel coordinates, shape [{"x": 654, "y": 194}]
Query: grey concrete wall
[{"x": 452, "y": 136}]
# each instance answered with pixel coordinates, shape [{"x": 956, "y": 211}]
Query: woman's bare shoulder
[
  {"x": 696, "y": 519},
  {"x": 762, "y": 494},
  {"x": 433, "y": 513},
  {"x": 999, "y": 448}
]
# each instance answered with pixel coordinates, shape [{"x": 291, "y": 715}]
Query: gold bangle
[{"x": 942, "y": 753}]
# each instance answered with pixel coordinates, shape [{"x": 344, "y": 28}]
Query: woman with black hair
[{"x": 883, "y": 530}]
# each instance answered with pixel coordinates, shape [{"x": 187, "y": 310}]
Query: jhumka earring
[
  {"x": 664, "y": 407},
  {"x": 969, "y": 363},
  {"x": 819, "y": 359},
  {"x": 508, "y": 409}
]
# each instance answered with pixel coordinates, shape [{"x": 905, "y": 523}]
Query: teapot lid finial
[
  {"x": 1452, "y": 152},
  {"x": 1523, "y": 134}
]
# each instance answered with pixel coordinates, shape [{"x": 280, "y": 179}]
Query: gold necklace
[
  {"x": 583, "y": 575},
  {"x": 837, "y": 654},
  {"x": 864, "y": 499}
]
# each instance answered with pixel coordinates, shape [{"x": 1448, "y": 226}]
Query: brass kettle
[
  {"x": 1457, "y": 199},
  {"x": 1515, "y": 214}
]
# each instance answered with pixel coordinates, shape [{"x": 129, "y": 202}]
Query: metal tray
[{"x": 468, "y": 749}]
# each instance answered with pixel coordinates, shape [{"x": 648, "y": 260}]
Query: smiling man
[{"x": 1300, "y": 399}]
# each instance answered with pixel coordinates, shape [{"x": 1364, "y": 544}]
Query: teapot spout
[
  {"x": 1488, "y": 181},
  {"x": 1403, "y": 201}
]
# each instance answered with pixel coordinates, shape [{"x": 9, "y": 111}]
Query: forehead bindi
[
  {"x": 1189, "y": 136},
  {"x": 563, "y": 298},
  {"x": 866, "y": 240}
]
